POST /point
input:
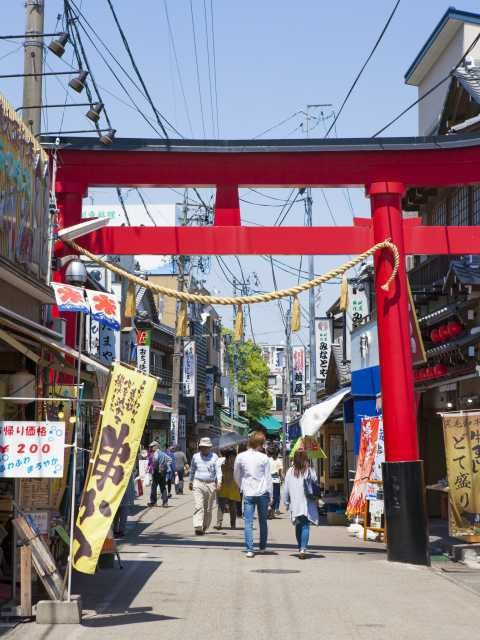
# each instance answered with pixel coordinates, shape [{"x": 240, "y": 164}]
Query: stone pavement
[{"x": 176, "y": 585}]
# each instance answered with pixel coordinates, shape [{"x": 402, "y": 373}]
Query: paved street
[{"x": 175, "y": 585}]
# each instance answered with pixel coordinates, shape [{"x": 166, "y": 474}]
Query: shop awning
[
  {"x": 314, "y": 417},
  {"x": 160, "y": 407},
  {"x": 270, "y": 424},
  {"x": 234, "y": 424},
  {"x": 23, "y": 334}
]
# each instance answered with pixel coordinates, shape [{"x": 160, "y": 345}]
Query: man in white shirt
[
  {"x": 253, "y": 476},
  {"x": 205, "y": 480}
]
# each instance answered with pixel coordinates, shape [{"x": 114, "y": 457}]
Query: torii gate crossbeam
[{"x": 384, "y": 167}]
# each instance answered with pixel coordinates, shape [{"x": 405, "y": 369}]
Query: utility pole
[
  {"x": 234, "y": 404},
  {"x": 287, "y": 385},
  {"x": 311, "y": 275},
  {"x": 178, "y": 352},
  {"x": 33, "y": 63}
]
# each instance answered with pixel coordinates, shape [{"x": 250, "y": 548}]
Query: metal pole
[
  {"x": 288, "y": 385},
  {"x": 235, "y": 359},
  {"x": 311, "y": 313},
  {"x": 178, "y": 350},
  {"x": 74, "y": 460},
  {"x": 33, "y": 64},
  {"x": 284, "y": 417}
]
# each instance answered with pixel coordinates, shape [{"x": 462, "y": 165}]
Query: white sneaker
[
  {"x": 303, "y": 554},
  {"x": 250, "y": 554}
]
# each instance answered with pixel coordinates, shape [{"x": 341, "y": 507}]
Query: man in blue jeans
[{"x": 253, "y": 476}]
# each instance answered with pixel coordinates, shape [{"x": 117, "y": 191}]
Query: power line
[
  {"x": 209, "y": 66},
  {"x": 279, "y": 124},
  {"x": 198, "y": 68},
  {"x": 179, "y": 74},
  {"x": 214, "y": 66},
  {"x": 427, "y": 93},
  {"x": 357, "y": 77},
  {"x": 135, "y": 68}
]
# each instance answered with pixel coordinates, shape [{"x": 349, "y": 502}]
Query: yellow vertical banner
[
  {"x": 125, "y": 410},
  {"x": 461, "y": 434}
]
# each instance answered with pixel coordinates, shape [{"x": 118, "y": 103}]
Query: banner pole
[{"x": 74, "y": 460}]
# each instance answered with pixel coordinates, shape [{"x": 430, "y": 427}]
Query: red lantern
[
  {"x": 429, "y": 373},
  {"x": 454, "y": 329},
  {"x": 434, "y": 336},
  {"x": 440, "y": 370},
  {"x": 444, "y": 333}
]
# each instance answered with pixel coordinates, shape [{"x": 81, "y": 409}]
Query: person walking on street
[
  {"x": 158, "y": 468},
  {"x": 276, "y": 469},
  {"x": 205, "y": 479},
  {"x": 229, "y": 494},
  {"x": 170, "y": 477},
  {"x": 252, "y": 474},
  {"x": 303, "y": 510},
  {"x": 180, "y": 464}
]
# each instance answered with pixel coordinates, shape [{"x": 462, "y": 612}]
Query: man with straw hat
[{"x": 205, "y": 479}]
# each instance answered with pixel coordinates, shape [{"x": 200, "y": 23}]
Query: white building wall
[{"x": 430, "y": 108}]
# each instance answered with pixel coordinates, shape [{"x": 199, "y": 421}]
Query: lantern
[
  {"x": 444, "y": 333},
  {"x": 434, "y": 336},
  {"x": 454, "y": 329},
  {"x": 440, "y": 370}
]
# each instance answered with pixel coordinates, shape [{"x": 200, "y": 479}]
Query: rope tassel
[
  {"x": 182, "y": 321},
  {"x": 130, "y": 302},
  {"x": 295, "y": 323},
  {"x": 344, "y": 293},
  {"x": 238, "y": 333}
]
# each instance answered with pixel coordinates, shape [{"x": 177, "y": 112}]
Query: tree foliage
[{"x": 252, "y": 377}]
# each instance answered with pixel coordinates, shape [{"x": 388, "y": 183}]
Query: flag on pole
[
  {"x": 104, "y": 308},
  {"x": 70, "y": 298}
]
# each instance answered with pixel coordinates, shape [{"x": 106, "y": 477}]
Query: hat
[
  {"x": 154, "y": 444},
  {"x": 205, "y": 442}
]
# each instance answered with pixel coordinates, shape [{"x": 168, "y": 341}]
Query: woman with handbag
[{"x": 301, "y": 495}]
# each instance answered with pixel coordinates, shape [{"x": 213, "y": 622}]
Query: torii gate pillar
[{"x": 405, "y": 508}]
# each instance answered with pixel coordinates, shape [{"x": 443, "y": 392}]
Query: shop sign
[
  {"x": 209, "y": 401},
  {"x": 31, "y": 449},
  {"x": 24, "y": 193},
  {"x": 108, "y": 345},
  {"x": 125, "y": 410},
  {"x": 242, "y": 402},
  {"x": 461, "y": 434},
  {"x": 144, "y": 340},
  {"x": 173, "y": 429},
  {"x": 298, "y": 359},
  {"x": 416, "y": 341},
  {"x": 323, "y": 330},
  {"x": 182, "y": 426},
  {"x": 189, "y": 369},
  {"x": 375, "y": 491}
]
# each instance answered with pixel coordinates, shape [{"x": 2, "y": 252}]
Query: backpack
[{"x": 161, "y": 463}]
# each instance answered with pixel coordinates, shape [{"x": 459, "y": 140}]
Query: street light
[
  {"x": 78, "y": 83},
  {"x": 94, "y": 112},
  {"x": 57, "y": 45}
]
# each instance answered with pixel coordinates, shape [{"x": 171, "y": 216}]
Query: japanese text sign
[
  {"x": 31, "y": 449},
  {"x": 189, "y": 370},
  {"x": 144, "y": 339},
  {"x": 126, "y": 406},
  {"x": 323, "y": 329},
  {"x": 461, "y": 433},
  {"x": 298, "y": 359}
]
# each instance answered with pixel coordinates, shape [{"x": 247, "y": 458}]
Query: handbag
[{"x": 311, "y": 487}]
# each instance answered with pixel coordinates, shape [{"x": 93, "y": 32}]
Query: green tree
[{"x": 252, "y": 377}]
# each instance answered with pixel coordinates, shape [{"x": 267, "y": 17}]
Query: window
[
  {"x": 459, "y": 207},
  {"x": 476, "y": 205},
  {"x": 439, "y": 214}
]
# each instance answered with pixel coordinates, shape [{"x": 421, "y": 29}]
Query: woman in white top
[{"x": 303, "y": 510}]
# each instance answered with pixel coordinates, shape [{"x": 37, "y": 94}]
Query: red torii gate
[{"x": 385, "y": 167}]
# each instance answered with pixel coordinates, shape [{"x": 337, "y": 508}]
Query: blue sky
[{"x": 272, "y": 59}]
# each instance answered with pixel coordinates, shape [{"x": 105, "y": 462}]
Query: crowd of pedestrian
[{"x": 239, "y": 483}]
